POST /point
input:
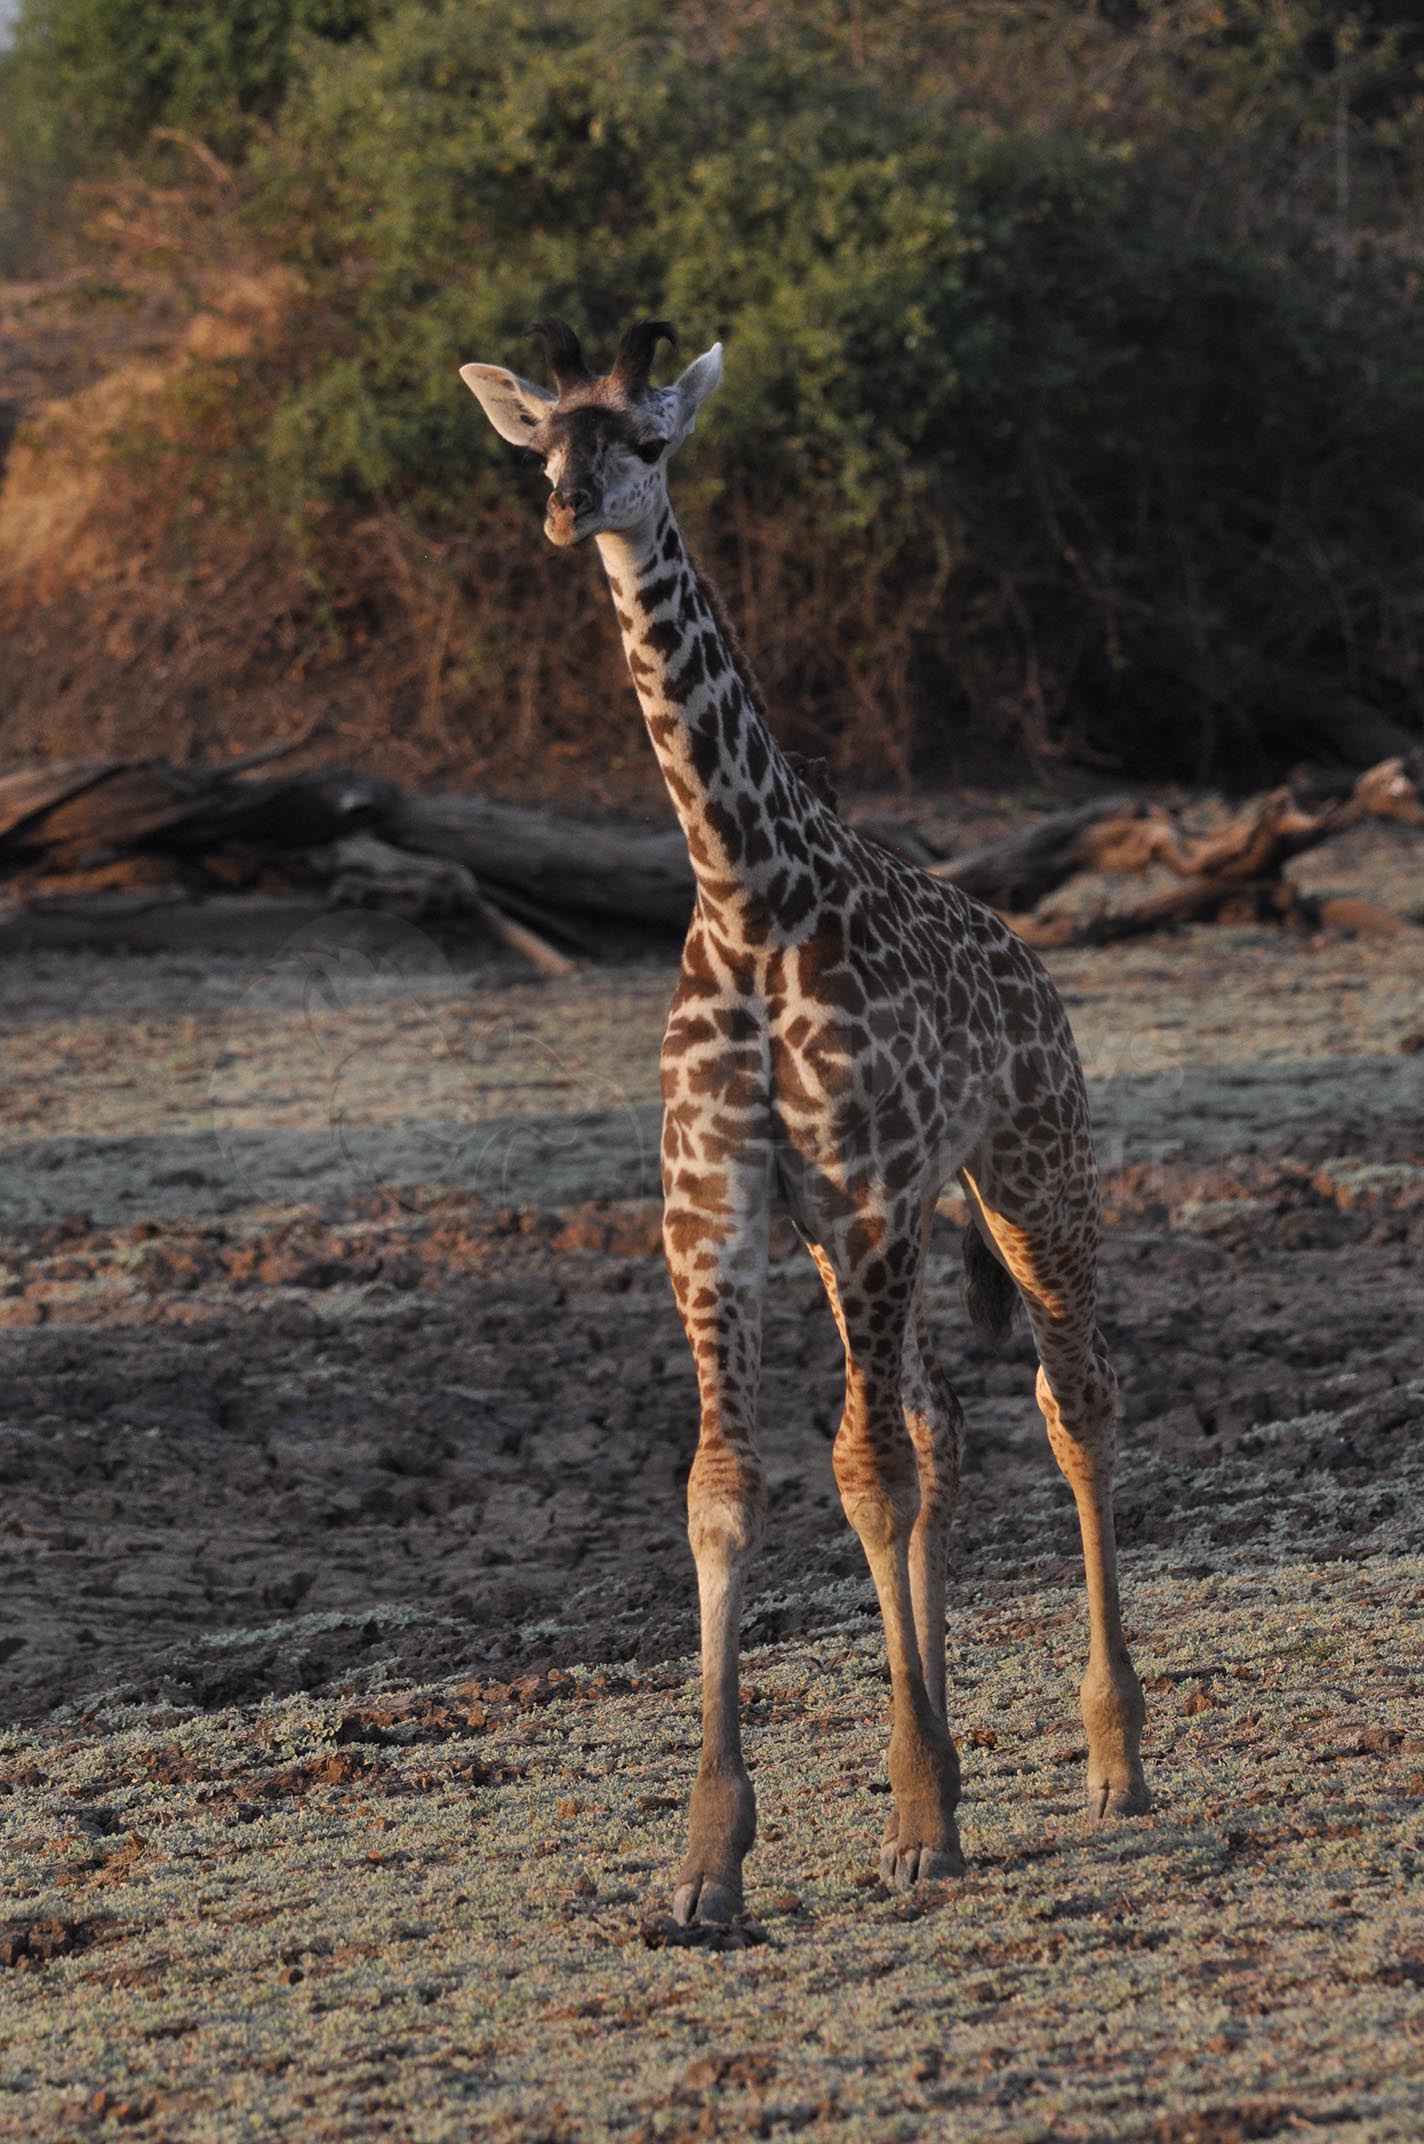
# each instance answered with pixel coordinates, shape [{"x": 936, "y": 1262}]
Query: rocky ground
[{"x": 346, "y": 1616}]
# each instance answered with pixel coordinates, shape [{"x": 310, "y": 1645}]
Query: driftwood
[
  {"x": 127, "y": 849},
  {"x": 108, "y": 845},
  {"x": 1019, "y": 870},
  {"x": 1236, "y": 874},
  {"x": 256, "y": 925},
  {"x": 368, "y": 872},
  {"x": 620, "y": 873}
]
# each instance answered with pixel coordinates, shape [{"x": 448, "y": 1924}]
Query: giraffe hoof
[
  {"x": 902, "y": 1867},
  {"x": 704, "y": 1900},
  {"x": 1107, "y": 1799}
]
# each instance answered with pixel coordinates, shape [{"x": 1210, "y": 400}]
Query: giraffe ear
[
  {"x": 513, "y": 406},
  {"x": 701, "y": 379}
]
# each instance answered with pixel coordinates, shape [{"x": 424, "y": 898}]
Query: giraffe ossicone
[{"x": 847, "y": 1038}]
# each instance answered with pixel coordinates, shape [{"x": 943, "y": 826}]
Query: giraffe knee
[
  {"x": 726, "y": 1502},
  {"x": 879, "y": 1483},
  {"x": 934, "y": 1420},
  {"x": 1080, "y": 1413}
]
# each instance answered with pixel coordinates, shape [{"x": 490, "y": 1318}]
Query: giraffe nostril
[{"x": 574, "y": 502}]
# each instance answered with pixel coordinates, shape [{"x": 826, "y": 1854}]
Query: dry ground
[{"x": 346, "y": 1618}]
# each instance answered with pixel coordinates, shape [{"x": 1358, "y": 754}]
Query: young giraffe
[{"x": 848, "y": 1035}]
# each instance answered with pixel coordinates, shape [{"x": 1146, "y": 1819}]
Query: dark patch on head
[{"x": 586, "y": 429}]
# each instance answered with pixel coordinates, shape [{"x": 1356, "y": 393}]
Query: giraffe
[{"x": 848, "y": 1036}]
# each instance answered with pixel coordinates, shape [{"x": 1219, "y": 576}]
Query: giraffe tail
[{"x": 989, "y": 1292}]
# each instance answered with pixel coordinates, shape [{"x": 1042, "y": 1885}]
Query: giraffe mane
[{"x": 740, "y": 660}]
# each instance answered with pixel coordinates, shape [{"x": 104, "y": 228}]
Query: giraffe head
[{"x": 604, "y": 439}]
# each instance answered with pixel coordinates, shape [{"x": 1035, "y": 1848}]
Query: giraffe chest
[{"x": 855, "y": 1085}]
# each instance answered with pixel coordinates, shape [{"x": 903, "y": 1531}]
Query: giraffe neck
[{"x": 753, "y": 828}]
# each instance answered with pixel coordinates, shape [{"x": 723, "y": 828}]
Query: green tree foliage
[
  {"x": 87, "y": 80},
  {"x": 112, "y": 69},
  {"x": 1073, "y": 376}
]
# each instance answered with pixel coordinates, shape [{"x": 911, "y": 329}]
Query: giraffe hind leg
[
  {"x": 716, "y": 1255},
  {"x": 934, "y": 1420},
  {"x": 881, "y": 1469},
  {"x": 1051, "y": 1252}
]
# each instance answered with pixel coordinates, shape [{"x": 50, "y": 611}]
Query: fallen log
[
  {"x": 1261, "y": 841},
  {"x": 531, "y": 879},
  {"x": 1236, "y": 874},
  {"x": 94, "y": 823},
  {"x": 28, "y": 795},
  {"x": 252, "y": 925},
  {"x": 1222, "y": 900},
  {"x": 67, "y": 815},
  {"x": 365, "y": 871},
  {"x": 623, "y": 873},
  {"x": 1017, "y": 871}
]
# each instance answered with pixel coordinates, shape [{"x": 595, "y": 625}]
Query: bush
[
  {"x": 1073, "y": 389},
  {"x": 1111, "y": 474},
  {"x": 112, "y": 69},
  {"x": 89, "y": 80}
]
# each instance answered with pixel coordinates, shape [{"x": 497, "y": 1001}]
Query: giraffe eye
[{"x": 650, "y": 450}]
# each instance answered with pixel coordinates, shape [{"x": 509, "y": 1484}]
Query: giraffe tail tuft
[{"x": 989, "y": 1292}]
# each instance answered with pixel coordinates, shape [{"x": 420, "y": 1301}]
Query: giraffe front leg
[
  {"x": 725, "y": 1503},
  {"x": 715, "y": 1235}
]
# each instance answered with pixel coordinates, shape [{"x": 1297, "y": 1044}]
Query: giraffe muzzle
[{"x": 565, "y": 511}]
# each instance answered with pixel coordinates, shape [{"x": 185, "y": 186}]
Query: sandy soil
[{"x": 345, "y": 1610}]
